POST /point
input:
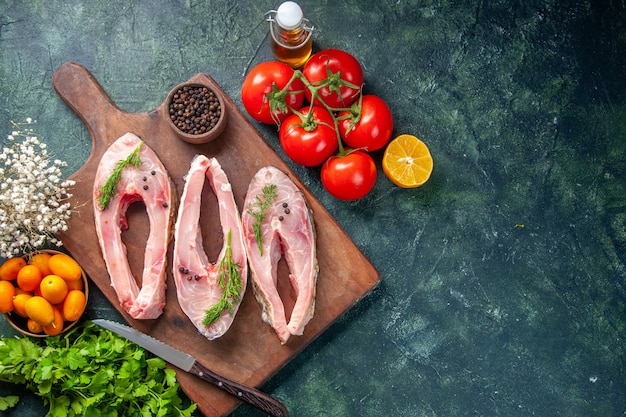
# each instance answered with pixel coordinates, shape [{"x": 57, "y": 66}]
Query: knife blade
[{"x": 188, "y": 363}]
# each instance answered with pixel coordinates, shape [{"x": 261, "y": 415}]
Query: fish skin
[
  {"x": 197, "y": 296},
  {"x": 293, "y": 238},
  {"x": 159, "y": 198}
]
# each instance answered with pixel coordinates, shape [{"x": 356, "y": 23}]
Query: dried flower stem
[{"x": 34, "y": 202}]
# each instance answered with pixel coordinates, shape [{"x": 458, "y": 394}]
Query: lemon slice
[{"x": 407, "y": 161}]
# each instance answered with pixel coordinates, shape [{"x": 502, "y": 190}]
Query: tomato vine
[{"x": 332, "y": 82}]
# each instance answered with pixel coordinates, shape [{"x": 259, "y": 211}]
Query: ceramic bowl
[
  {"x": 19, "y": 323},
  {"x": 189, "y": 114}
]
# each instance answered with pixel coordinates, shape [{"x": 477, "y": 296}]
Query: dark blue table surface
[{"x": 503, "y": 278}]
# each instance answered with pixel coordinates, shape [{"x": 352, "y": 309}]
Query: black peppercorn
[{"x": 194, "y": 109}]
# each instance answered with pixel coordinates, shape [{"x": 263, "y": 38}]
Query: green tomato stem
[{"x": 333, "y": 79}]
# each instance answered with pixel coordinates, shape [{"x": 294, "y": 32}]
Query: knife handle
[{"x": 251, "y": 395}]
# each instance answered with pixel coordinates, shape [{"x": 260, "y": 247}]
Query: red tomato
[
  {"x": 368, "y": 129},
  {"x": 260, "y": 92},
  {"x": 309, "y": 136},
  {"x": 343, "y": 72},
  {"x": 349, "y": 177}
]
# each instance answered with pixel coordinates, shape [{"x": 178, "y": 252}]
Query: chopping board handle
[{"x": 82, "y": 93}]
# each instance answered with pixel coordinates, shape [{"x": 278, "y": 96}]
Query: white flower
[{"x": 34, "y": 202}]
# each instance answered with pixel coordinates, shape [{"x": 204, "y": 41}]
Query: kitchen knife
[{"x": 189, "y": 364}]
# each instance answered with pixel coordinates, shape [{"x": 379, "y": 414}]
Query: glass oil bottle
[{"x": 291, "y": 38}]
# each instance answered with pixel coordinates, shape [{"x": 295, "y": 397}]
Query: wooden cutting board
[{"x": 250, "y": 352}]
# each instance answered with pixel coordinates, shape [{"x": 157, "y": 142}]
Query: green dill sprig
[
  {"x": 109, "y": 188},
  {"x": 232, "y": 286},
  {"x": 263, "y": 202}
]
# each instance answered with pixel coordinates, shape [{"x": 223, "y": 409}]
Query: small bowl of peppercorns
[{"x": 196, "y": 112}]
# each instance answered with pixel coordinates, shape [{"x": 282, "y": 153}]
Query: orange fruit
[
  {"x": 18, "y": 290},
  {"x": 40, "y": 310},
  {"x": 407, "y": 161},
  {"x": 33, "y": 326},
  {"x": 40, "y": 260},
  {"x": 56, "y": 326},
  {"x": 64, "y": 266},
  {"x": 19, "y": 303},
  {"x": 75, "y": 285},
  {"x": 53, "y": 288},
  {"x": 7, "y": 292},
  {"x": 8, "y": 270},
  {"x": 74, "y": 305},
  {"x": 29, "y": 277}
]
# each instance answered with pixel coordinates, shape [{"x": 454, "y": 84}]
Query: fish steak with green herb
[
  {"x": 278, "y": 223},
  {"x": 209, "y": 293},
  {"x": 129, "y": 171}
]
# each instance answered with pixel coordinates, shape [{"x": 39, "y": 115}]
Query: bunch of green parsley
[{"x": 91, "y": 372}]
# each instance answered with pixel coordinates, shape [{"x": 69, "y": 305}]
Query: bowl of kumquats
[{"x": 43, "y": 293}]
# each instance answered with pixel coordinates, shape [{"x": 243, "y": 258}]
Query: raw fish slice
[
  {"x": 147, "y": 182},
  {"x": 197, "y": 280},
  {"x": 285, "y": 227}
]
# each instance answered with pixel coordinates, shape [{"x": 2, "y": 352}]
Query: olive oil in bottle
[{"x": 290, "y": 34}]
